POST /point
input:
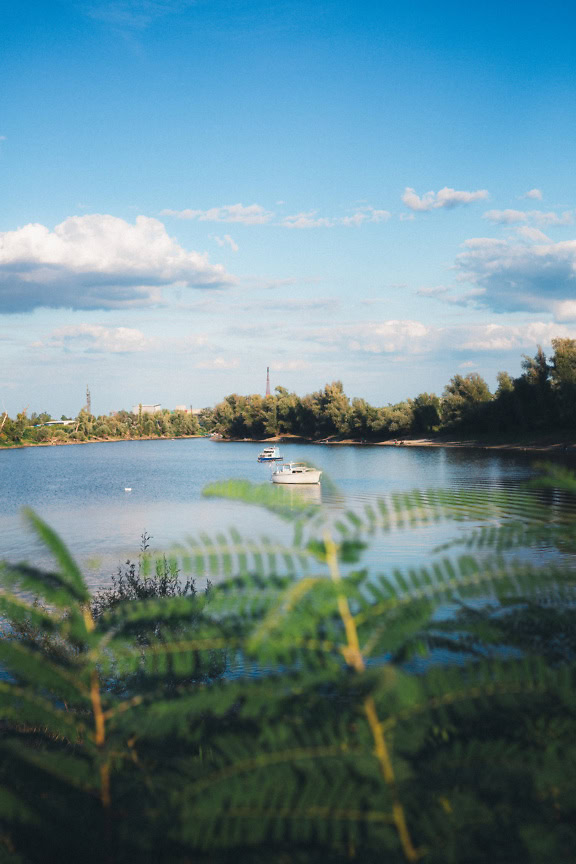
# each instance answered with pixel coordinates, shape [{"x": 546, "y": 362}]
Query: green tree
[
  {"x": 464, "y": 401},
  {"x": 563, "y": 375},
  {"x": 534, "y": 392},
  {"x": 426, "y": 413},
  {"x": 361, "y": 419},
  {"x": 287, "y": 405}
]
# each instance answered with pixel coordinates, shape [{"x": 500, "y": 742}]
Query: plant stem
[{"x": 353, "y": 655}]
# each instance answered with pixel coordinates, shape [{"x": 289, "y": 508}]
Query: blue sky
[{"x": 193, "y": 190}]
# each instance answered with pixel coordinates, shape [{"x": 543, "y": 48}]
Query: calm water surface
[{"x": 79, "y": 490}]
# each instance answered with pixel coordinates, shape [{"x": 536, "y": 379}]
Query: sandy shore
[{"x": 545, "y": 444}]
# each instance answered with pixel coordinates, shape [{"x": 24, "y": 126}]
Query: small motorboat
[
  {"x": 295, "y": 473},
  {"x": 270, "y": 454}
]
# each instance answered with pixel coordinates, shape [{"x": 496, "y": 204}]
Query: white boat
[
  {"x": 270, "y": 454},
  {"x": 295, "y": 473}
]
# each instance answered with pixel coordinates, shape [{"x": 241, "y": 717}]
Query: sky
[{"x": 193, "y": 190}]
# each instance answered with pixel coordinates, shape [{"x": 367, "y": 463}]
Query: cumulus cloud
[
  {"x": 508, "y": 337},
  {"x": 533, "y": 235},
  {"x": 227, "y": 240},
  {"x": 310, "y": 219},
  {"x": 536, "y": 194},
  {"x": 386, "y": 337},
  {"x": 515, "y": 276},
  {"x": 252, "y": 214},
  {"x": 565, "y": 310},
  {"x": 413, "y": 337},
  {"x": 446, "y": 198},
  {"x": 97, "y": 262},
  {"x": 99, "y": 339},
  {"x": 536, "y": 217}
]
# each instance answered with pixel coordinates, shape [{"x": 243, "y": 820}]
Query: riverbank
[
  {"x": 24, "y": 444},
  {"x": 544, "y": 444}
]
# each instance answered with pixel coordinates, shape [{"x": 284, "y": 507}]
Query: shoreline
[
  {"x": 546, "y": 444},
  {"x": 97, "y": 441}
]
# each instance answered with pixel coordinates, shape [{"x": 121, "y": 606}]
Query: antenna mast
[
  {"x": 88, "y": 400},
  {"x": 267, "y": 381}
]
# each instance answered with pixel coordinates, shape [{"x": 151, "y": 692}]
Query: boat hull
[{"x": 306, "y": 478}]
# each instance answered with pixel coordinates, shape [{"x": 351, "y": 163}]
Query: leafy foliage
[{"x": 354, "y": 719}]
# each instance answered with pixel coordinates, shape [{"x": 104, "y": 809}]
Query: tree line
[
  {"x": 540, "y": 400},
  {"x": 121, "y": 425}
]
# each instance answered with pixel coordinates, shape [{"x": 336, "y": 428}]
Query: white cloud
[
  {"x": 445, "y": 198},
  {"x": 219, "y": 362},
  {"x": 97, "y": 262},
  {"x": 534, "y": 235},
  {"x": 448, "y": 295},
  {"x": 99, "y": 339},
  {"x": 290, "y": 366},
  {"x": 506, "y": 337},
  {"x": 307, "y": 220},
  {"x": 404, "y": 338},
  {"x": 515, "y": 276},
  {"x": 253, "y": 214},
  {"x": 536, "y": 194},
  {"x": 386, "y": 337},
  {"x": 310, "y": 219},
  {"x": 537, "y": 217},
  {"x": 227, "y": 240},
  {"x": 565, "y": 310}
]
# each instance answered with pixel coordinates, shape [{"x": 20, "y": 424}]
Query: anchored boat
[
  {"x": 270, "y": 454},
  {"x": 295, "y": 473}
]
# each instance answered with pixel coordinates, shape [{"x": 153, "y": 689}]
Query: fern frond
[
  {"x": 265, "y": 495},
  {"x": 69, "y": 572}
]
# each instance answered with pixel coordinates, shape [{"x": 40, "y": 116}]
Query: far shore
[
  {"x": 544, "y": 444},
  {"x": 95, "y": 441}
]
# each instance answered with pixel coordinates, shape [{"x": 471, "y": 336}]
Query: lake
[{"x": 80, "y": 491}]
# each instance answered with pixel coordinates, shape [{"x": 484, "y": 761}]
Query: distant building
[{"x": 147, "y": 409}]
